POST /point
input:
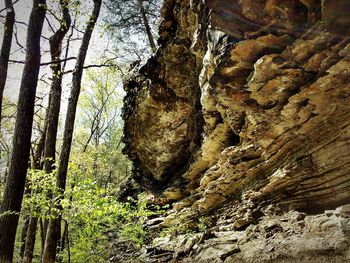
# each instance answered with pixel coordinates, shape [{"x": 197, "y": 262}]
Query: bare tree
[
  {"x": 6, "y": 46},
  {"x": 14, "y": 188},
  {"x": 53, "y": 231}
]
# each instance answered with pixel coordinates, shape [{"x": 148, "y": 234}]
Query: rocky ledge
[
  {"x": 247, "y": 102},
  {"x": 244, "y": 233}
]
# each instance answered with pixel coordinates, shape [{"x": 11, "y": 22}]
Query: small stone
[
  {"x": 345, "y": 226},
  {"x": 297, "y": 216},
  {"x": 155, "y": 221},
  {"x": 329, "y": 212},
  {"x": 345, "y": 208},
  {"x": 337, "y": 212},
  {"x": 273, "y": 227},
  {"x": 241, "y": 223},
  {"x": 228, "y": 253},
  {"x": 271, "y": 249},
  {"x": 256, "y": 214}
]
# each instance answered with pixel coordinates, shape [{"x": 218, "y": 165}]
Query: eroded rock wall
[
  {"x": 162, "y": 110},
  {"x": 244, "y": 101},
  {"x": 247, "y": 99}
]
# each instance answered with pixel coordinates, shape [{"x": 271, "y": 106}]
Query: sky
[{"x": 22, "y": 8}]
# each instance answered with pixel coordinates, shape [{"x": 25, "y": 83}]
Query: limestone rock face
[{"x": 244, "y": 101}]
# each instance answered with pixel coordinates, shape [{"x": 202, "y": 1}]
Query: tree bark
[
  {"x": 55, "y": 95},
  {"x": 6, "y": 47},
  {"x": 52, "y": 235},
  {"x": 63, "y": 239},
  {"x": 38, "y": 153},
  {"x": 15, "y": 182},
  {"x": 29, "y": 243},
  {"x": 24, "y": 235},
  {"x": 42, "y": 238},
  {"x": 56, "y": 88},
  {"x": 30, "y": 240},
  {"x": 147, "y": 27}
]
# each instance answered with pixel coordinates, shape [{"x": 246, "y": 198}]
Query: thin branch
[
  {"x": 22, "y": 48},
  {"x": 68, "y": 44},
  {"x": 16, "y": 21},
  {"x": 50, "y": 25},
  {"x": 44, "y": 63},
  {"x": 92, "y": 66},
  {"x": 14, "y": 2},
  {"x": 54, "y": 15}
]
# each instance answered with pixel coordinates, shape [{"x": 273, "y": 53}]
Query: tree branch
[
  {"x": 44, "y": 63},
  {"x": 14, "y": 2}
]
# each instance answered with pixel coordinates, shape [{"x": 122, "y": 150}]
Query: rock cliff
[{"x": 245, "y": 106}]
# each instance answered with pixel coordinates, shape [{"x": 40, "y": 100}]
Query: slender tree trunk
[
  {"x": 68, "y": 245},
  {"x": 42, "y": 238},
  {"x": 6, "y": 47},
  {"x": 52, "y": 236},
  {"x": 33, "y": 220},
  {"x": 30, "y": 241},
  {"x": 65, "y": 229},
  {"x": 55, "y": 99},
  {"x": 63, "y": 239},
  {"x": 15, "y": 182},
  {"x": 147, "y": 26},
  {"x": 56, "y": 88},
  {"x": 23, "y": 236},
  {"x": 27, "y": 218},
  {"x": 37, "y": 159}
]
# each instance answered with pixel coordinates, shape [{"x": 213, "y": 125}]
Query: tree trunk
[
  {"x": 15, "y": 182},
  {"x": 42, "y": 238},
  {"x": 30, "y": 240},
  {"x": 29, "y": 243},
  {"x": 23, "y": 236},
  {"x": 55, "y": 97},
  {"x": 6, "y": 47},
  {"x": 147, "y": 27},
  {"x": 65, "y": 229},
  {"x": 63, "y": 239},
  {"x": 68, "y": 245},
  {"x": 54, "y": 224},
  {"x": 37, "y": 158},
  {"x": 56, "y": 89}
]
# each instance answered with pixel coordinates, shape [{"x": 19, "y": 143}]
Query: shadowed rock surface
[{"x": 247, "y": 102}]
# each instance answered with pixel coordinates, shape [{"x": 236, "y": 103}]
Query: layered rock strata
[{"x": 244, "y": 101}]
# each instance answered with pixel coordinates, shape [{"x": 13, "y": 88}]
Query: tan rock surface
[{"x": 245, "y": 100}]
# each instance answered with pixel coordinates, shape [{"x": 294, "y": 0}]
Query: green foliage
[
  {"x": 204, "y": 223},
  {"x": 36, "y": 201},
  {"x": 93, "y": 215},
  {"x": 133, "y": 234},
  {"x": 96, "y": 171},
  {"x": 132, "y": 230}
]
